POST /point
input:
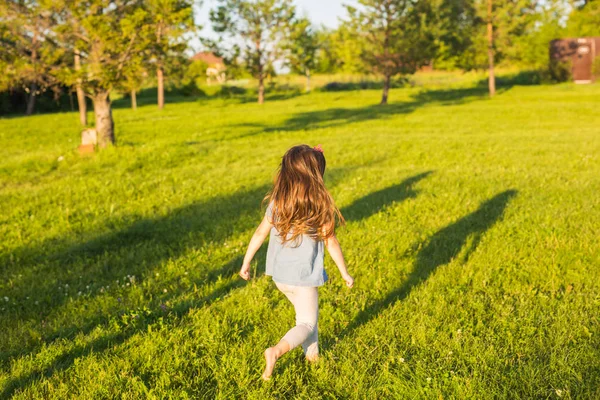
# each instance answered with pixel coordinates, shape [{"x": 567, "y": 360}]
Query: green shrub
[
  {"x": 230, "y": 91},
  {"x": 560, "y": 71},
  {"x": 364, "y": 84}
]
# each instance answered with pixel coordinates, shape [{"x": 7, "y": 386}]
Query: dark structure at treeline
[{"x": 580, "y": 55}]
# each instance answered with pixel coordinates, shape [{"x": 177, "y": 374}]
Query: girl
[{"x": 301, "y": 220}]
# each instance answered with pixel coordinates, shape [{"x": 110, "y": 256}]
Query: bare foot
[
  {"x": 312, "y": 358},
  {"x": 271, "y": 359}
]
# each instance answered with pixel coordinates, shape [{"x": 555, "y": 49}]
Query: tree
[
  {"x": 505, "y": 22},
  {"x": 106, "y": 34},
  {"x": 301, "y": 48},
  {"x": 168, "y": 22},
  {"x": 455, "y": 25},
  {"x": 259, "y": 26},
  {"x": 397, "y": 36},
  {"x": 585, "y": 20},
  {"x": 28, "y": 55},
  {"x": 134, "y": 74}
]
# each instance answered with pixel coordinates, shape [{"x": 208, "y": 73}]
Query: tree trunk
[
  {"x": 261, "y": 89},
  {"x": 133, "y": 100},
  {"x": 307, "y": 80},
  {"x": 31, "y": 99},
  {"x": 490, "y": 39},
  {"x": 161, "y": 88},
  {"x": 386, "y": 89},
  {"x": 104, "y": 122},
  {"x": 80, "y": 95}
]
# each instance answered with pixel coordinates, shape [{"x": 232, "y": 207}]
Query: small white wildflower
[
  {"x": 27, "y": 297},
  {"x": 450, "y": 353},
  {"x": 36, "y": 302},
  {"x": 79, "y": 293},
  {"x": 459, "y": 331},
  {"x": 559, "y": 392},
  {"x": 185, "y": 273},
  {"x": 428, "y": 379},
  {"x": 66, "y": 285},
  {"x": 6, "y": 298},
  {"x": 164, "y": 290},
  {"x": 127, "y": 283},
  {"x": 157, "y": 274},
  {"x": 401, "y": 360},
  {"x": 102, "y": 290},
  {"x": 87, "y": 286},
  {"x": 60, "y": 158}
]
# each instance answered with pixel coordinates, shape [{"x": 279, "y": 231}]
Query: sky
[{"x": 318, "y": 11}]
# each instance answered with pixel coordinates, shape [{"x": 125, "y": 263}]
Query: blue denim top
[{"x": 297, "y": 263}]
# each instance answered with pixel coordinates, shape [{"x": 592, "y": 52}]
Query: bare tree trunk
[
  {"x": 31, "y": 99},
  {"x": 133, "y": 99},
  {"x": 307, "y": 80},
  {"x": 161, "y": 88},
  {"x": 104, "y": 122},
  {"x": 490, "y": 39},
  {"x": 80, "y": 95},
  {"x": 386, "y": 89},
  {"x": 261, "y": 89}
]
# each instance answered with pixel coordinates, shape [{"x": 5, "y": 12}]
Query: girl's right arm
[
  {"x": 257, "y": 240},
  {"x": 335, "y": 251}
]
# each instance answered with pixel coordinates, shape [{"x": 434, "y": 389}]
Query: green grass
[{"x": 472, "y": 235}]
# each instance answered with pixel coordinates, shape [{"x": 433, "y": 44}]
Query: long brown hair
[{"x": 299, "y": 200}]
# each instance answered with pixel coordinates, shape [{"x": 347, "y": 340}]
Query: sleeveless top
[{"x": 297, "y": 263}]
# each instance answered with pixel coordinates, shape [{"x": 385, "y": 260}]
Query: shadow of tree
[
  {"x": 136, "y": 250},
  {"x": 441, "y": 248},
  {"x": 375, "y": 202},
  {"x": 334, "y": 117}
]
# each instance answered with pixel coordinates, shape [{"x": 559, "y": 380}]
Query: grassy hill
[{"x": 472, "y": 234}]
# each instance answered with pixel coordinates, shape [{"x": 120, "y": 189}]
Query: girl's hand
[
  {"x": 349, "y": 280},
  {"x": 245, "y": 272}
]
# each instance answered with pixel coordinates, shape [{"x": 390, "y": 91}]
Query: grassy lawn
[{"x": 473, "y": 235}]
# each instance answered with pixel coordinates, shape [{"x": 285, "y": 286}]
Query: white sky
[{"x": 318, "y": 11}]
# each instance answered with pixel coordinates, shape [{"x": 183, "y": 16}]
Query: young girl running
[{"x": 300, "y": 218}]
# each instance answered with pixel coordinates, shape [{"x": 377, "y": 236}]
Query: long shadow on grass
[
  {"x": 335, "y": 117},
  {"x": 138, "y": 322},
  {"x": 377, "y": 201},
  {"x": 441, "y": 248},
  {"x": 136, "y": 250}
]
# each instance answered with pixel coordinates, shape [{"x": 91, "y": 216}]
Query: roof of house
[{"x": 208, "y": 57}]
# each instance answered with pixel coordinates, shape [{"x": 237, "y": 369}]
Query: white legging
[{"x": 306, "y": 303}]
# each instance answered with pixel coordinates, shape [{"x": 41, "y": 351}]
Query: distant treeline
[{"x": 56, "y": 54}]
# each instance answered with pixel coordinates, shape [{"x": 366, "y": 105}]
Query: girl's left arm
[{"x": 257, "y": 240}]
